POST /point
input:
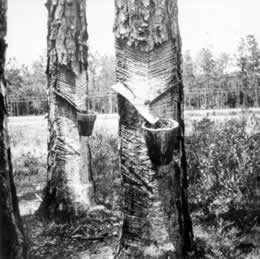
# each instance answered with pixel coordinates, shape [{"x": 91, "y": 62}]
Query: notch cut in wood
[{"x": 138, "y": 102}]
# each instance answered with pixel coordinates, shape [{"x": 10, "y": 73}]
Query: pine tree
[{"x": 156, "y": 222}]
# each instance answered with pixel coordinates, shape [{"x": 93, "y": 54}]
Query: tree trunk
[
  {"x": 69, "y": 187},
  {"x": 157, "y": 223},
  {"x": 12, "y": 238}
]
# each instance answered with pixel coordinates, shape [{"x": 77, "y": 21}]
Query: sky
[{"x": 218, "y": 24}]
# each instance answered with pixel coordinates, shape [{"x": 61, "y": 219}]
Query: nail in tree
[
  {"x": 69, "y": 188},
  {"x": 12, "y": 238},
  {"x": 157, "y": 223}
]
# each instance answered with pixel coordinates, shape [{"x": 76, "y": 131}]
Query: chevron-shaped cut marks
[
  {"x": 148, "y": 74},
  {"x": 151, "y": 76},
  {"x": 81, "y": 91},
  {"x": 66, "y": 86},
  {"x": 72, "y": 88}
]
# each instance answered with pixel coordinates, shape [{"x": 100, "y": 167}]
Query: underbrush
[
  {"x": 224, "y": 176},
  {"x": 105, "y": 168},
  {"x": 29, "y": 152}
]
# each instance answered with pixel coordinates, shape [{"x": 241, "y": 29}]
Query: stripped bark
[
  {"x": 157, "y": 223},
  {"x": 12, "y": 238},
  {"x": 68, "y": 187}
]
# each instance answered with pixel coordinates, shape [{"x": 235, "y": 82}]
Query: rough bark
[
  {"x": 68, "y": 187},
  {"x": 157, "y": 223},
  {"x": 12, "y": 238}
]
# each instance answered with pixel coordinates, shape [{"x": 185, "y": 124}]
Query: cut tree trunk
[
  {"x": 157, "y": 222},
  {"x": 12, "y": 238},
  {"x": 69, "y": 188}
]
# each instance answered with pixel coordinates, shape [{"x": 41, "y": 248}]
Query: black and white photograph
[{"x": 129, "y": 129}]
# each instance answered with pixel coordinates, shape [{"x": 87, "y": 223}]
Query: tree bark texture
[
  {"x": 157, "y": 223},
  {"x": 12, "y": 238},
  {"x": 68, "y": 187}
]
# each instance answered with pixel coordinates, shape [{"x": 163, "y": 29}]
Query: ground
[{"x": 98, "y": 233}]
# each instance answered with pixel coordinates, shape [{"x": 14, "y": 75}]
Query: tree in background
[
  {"x": 101, "y": 76},
  {"x": 207, "y": 66},
  {"x": 26, "y": 82},
  {"x": 248, "y": 61},
  {"x": 207, "y": 69},
  {"x": 101, "y": 72},
  {"x": 38, "y": 77},
  {"x": 222, "y": 64},
  {"x": 17, "y": 77},
  {"x": 189, "y": 76},
  {"x": 12, "y": 237},
  {"x": 206, "y": 63}
]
